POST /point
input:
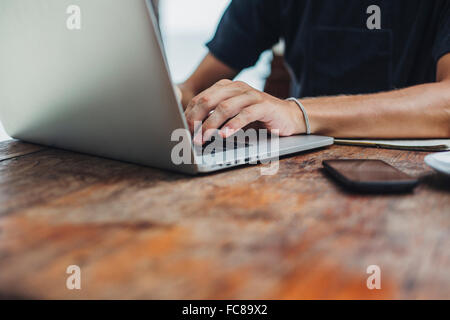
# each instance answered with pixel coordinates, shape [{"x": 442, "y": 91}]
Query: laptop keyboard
[{"x": 227, "y": 145}]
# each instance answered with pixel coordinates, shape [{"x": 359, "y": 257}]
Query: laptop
[{"x": 91, "y": 76}]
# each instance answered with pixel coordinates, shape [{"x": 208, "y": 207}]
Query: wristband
[{"x": 305, "y": 115}]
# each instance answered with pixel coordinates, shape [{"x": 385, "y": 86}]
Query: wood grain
[
  {"x": 12, "y": 149},
  {"x": 138, "y": 232}
]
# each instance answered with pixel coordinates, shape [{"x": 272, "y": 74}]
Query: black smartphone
[{"x": 370, "y": 176}]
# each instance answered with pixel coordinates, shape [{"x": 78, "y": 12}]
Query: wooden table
[{"x": 138, "y": 232}]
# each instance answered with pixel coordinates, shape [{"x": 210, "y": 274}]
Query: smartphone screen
[{"x": 375, "y": 175}]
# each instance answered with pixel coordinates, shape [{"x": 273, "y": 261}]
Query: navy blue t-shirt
[{"x": 329, "y": 47}]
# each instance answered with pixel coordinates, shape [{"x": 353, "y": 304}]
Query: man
[{"x": 371, "y": 69}]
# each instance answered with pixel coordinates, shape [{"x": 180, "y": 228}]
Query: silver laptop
[{"x": 91, "y": 76}]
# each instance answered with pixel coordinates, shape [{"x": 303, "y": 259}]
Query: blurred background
[{"x": 186, "y": 26}]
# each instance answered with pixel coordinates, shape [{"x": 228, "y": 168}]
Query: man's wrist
[
  {"x": 299, "y": 126},
  {"x": 318, "y": 120}
]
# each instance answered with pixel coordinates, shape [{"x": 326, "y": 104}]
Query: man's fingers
[
  {"x": 227, "y": 110},
  {"x": 204, "y": 103},
  {"x": 207, "y": 103},
  {"x": 247, "y": 116},
  {"x": 220, "y": 83},
  {"x": 203, "y": 97}
]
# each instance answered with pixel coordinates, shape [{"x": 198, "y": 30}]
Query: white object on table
[
  {"x": 439, "y": 162},
  {"x": 429, "y": 145}
]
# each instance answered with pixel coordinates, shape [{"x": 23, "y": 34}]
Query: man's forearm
[
  {"x": 207, "y": 73},
  {"x": 417, "y": 112}
]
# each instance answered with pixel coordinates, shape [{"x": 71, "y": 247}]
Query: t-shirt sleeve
[
  {"x": 442, "y": 42},
  {"x": 247, "y": 28}
]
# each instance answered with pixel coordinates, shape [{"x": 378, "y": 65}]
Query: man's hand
[
  {"x": 229, "y": 106},
  {"x": 184, "y": 94}
]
